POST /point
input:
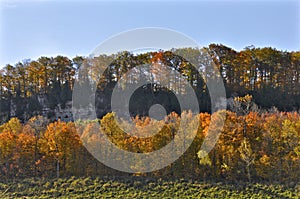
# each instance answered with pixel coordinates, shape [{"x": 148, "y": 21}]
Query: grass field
[{"x": 139, "y": 188}]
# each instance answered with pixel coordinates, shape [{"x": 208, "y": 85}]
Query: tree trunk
[
  {"x": 35, "y": 156},
  {"x": 248, "y": 173},
  {"x": 57, "y": 169}
]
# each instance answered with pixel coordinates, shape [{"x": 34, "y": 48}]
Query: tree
[
  {"x": 38, "y": 126},
  {"x": 247, "y": 156},
  {"x": 7, "y": 152},
  {"x": 60, "y": 142}
]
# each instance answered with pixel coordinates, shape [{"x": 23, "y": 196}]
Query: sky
[{"x": 30, "y": 29}]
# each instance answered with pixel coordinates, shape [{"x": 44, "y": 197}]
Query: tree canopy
[{"x": 37, "y": 87}]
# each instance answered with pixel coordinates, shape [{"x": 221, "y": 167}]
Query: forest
[
  {"x": 31, "y": 88},
  {"x": 260, "y": 140},
  {"x": 256, "y": 147}
]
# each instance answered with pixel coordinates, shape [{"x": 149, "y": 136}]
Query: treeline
[
  {"x": 37, "y": 87},
  {"x": 29, "y": 86},
  {"x": 272, "y": 77},
  {"x": 252, "y": 147}
]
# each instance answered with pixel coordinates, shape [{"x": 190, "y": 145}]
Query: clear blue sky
[{"x": 30, "y": 29}]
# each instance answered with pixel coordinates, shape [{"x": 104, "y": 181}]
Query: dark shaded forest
[{"x": 38, "y": 87}]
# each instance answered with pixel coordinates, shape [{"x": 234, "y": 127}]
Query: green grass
[{"x": 139, "y": 188}]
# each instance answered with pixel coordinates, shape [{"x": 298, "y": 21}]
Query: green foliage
[
  {"x": 204, "y": 158},
  {"x": 139, "y": 188}
]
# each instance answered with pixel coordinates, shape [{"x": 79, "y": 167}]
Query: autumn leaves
[{"x": 267, "y": 150}]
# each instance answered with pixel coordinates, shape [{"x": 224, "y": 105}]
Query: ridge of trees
[{"x": 271, "y": 76}]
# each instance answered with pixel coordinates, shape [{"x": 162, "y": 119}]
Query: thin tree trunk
[
  {"x": 248, "y": 173},
  {"x": 35, "y": 157},
  {"x": 57, "y": 169}
]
